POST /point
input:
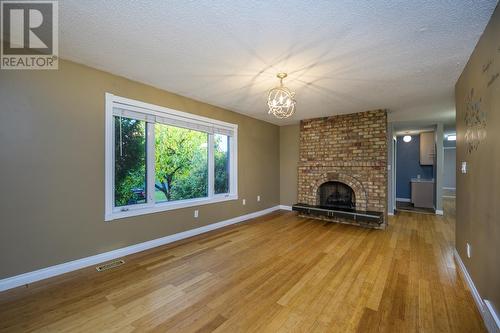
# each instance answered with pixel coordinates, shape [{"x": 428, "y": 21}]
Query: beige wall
[
  {"x": 478, "y": 191},
  {"x": 52, "y": 168},
  {"x": 289, "y": 159}
]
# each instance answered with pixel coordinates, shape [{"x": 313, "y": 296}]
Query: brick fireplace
[{"x": 350, "y": 151}]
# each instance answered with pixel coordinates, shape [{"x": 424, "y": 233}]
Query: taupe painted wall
[
  {"x": 478, "y": 191},
  {"x": 289, "y": 160},
  {"x": 52, "y": 168},
  {"x": 449, "y": 168}
]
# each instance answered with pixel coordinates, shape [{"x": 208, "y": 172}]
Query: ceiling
[
  {"x": 341, "y": 56},
  {"x": 414, "y": 127}
]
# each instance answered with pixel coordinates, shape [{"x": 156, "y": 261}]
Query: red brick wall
[{"x": 348, "y": 148}]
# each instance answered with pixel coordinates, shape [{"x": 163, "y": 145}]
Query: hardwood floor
[{"x": 278, "y": 273}]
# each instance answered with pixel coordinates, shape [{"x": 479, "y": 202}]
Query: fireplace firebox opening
[{"x": 334, "y": 194}]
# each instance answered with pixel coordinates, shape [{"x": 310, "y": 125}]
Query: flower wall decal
[{"x": 475, "y": 122}]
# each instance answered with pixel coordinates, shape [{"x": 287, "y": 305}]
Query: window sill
[{"x": 166, "y": 206}]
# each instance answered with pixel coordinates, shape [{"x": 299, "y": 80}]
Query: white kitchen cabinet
[{"x": 427, "y": 148}]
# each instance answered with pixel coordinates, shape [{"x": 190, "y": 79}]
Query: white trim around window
[{"x": 154, "y": 114}]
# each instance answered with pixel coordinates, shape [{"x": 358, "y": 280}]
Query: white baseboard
[
  {"x": 439, "y": 212},
  {"x": 489, "y": 315},
  {"x": 403, "y": 199},
  {"x": 284, "y": 207},
  {"x": 44, "y": 273},
  {"x": 493, "y": 314}
]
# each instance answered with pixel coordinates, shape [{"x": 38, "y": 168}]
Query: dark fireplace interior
[{"x": 336, "y": 195}]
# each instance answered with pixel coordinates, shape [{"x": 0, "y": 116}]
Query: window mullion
[
  {"x": 110, "y": 159},
  {"x": 150, "y": 163},
  {"x": 233, "y": 160},
  {"x": 211, "y": 168}
]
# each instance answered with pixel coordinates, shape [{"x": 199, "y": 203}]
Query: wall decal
[
  {"x": 475, "y": 122},
  {"x": 487, "y": 66},
  {"x": 493, "y": 78}
]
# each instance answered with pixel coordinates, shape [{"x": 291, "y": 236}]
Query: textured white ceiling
[{"x": 341, "y": 56}]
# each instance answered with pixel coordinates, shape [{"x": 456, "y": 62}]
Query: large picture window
[{"x": 161, "y": 159}]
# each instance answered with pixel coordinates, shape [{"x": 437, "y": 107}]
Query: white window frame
[{"x": 153, "y": 112}]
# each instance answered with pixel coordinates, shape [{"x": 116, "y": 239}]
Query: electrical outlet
[
  {"x": 258, "y": 198},
  {"x": 244, "y": 202},
  {"x": 464, "y": 167},
  {"x": 468, "y": 248},
  {"x": 196, "y": 213}
]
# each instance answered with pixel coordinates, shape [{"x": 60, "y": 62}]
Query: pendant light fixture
[{"x": 281, "y": 100}]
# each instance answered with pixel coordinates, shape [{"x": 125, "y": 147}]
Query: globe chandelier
[{"x": 281, "y": 100}]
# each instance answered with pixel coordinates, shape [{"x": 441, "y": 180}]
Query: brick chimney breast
[{"x": 351, "y": 149}]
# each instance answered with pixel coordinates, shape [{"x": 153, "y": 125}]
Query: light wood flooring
[{"x": 278, "y": 273}]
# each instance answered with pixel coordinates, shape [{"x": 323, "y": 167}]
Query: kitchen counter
[
  {"x": 422, "y": 192},
  {"x": 421, "y": 180}
]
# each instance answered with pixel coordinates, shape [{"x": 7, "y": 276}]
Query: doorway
[{"x": 414, "y": 176}]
